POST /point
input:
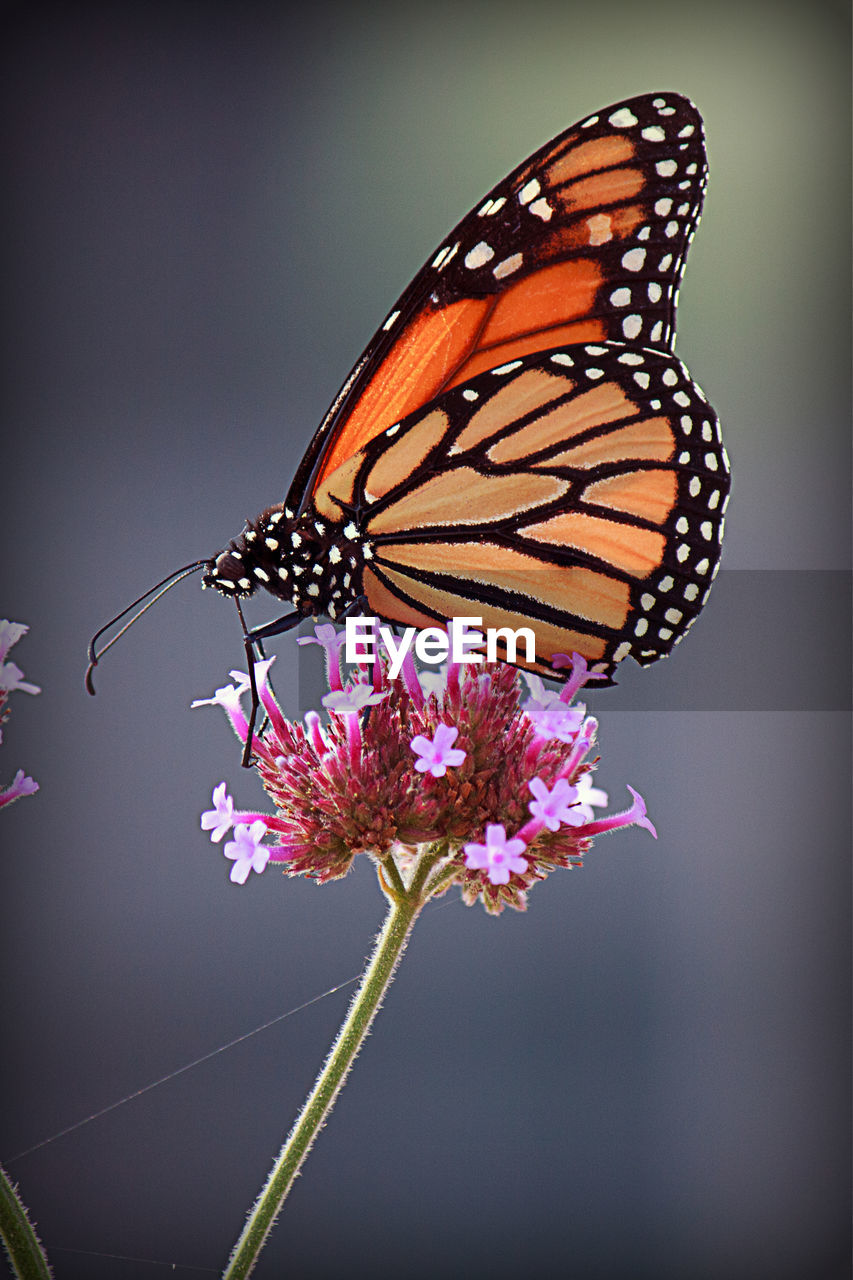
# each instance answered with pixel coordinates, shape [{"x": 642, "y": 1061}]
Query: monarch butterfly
[{"x": 518, "y": 441}]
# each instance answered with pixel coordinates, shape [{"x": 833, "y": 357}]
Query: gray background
[{"x": 208, "y": 210}]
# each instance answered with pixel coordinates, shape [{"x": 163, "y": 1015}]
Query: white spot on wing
[
  {"x": 542, "y": 209},
  {"x": 624, "y": 118},
  {"x": 600, "y": 228},
  {"x": 508, "y": 265},
  {"x": 479, "y": 255}
]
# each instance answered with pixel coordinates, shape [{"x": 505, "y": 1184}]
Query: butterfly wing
[
  {"x": 585, "y": 241},
  {"x": 580, "y": 491}
]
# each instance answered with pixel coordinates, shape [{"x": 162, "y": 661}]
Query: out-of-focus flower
[
  {"x": 12, "y": 681},
  {"x": 447, "y": 762},
  {"x": 20, "y": 785}
]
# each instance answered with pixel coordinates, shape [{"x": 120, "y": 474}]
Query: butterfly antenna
[{"x": 160, "y": 588}]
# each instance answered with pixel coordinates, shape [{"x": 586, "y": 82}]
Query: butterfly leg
[{"x": 250, "y": 640}]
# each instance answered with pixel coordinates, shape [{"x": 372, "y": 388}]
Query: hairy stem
[
  {"x": 390, "y": 945},
  {"x": 23, "y": 1250}
]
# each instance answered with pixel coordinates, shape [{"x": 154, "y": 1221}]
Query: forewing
[{"x": 585, "y": 241}]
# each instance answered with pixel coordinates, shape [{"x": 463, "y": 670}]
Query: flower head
[{"x": 459, "y": 761}]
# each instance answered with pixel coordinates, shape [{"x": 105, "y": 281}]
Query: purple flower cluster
[
  {"x": 464, "y": 763},
  {"x": 11, "y": 680}
]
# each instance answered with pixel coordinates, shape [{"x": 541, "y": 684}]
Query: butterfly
[{"x": 518, "y": 442}]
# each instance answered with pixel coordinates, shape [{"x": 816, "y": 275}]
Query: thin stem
[
  {"x": 23, "y": 1250},
  {"x": 390, "y": 945}
]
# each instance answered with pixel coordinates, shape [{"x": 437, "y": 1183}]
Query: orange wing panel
[
  {"x": 493, "y": 357},
  {"x": 415, "y": 369},
  {"x": 550, "y": 639},
  {"x": 636, "y": 551},
  {"x": 582, "y": 158},
  {"x": 648, "y": 494},
  {"x": 549, "y": 297}
]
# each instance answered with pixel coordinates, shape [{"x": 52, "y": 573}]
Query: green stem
[
  {"x": 22, "y": 1246},
  {"x": 390, "y": 945}
]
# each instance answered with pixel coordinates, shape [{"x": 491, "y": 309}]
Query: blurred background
[{"x": 208, "y": 210}]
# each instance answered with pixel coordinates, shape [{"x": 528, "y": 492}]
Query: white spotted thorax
[{"x": 314, "y": 564}]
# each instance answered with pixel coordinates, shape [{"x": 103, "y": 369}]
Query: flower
[
  {"x": 552, "y": 717},
  {"x": 635, "y": 816},
  {"x": 498, "y": 856},
  {"x": 220, "y": 818},
  {"x": 587, "y": 796},
  {"x": 331, "y": 641},
  {"x": 350, "y": 701},
  {"x": 439, "y": 753},
  {"x": 494, "y": 778},
  {"x": 556, "y": 805},
  {"x": 247, "y": 851},
  {"x": 580, "y": 673}
]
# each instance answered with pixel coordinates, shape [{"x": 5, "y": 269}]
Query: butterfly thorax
[{"x": 313, "y": 563}]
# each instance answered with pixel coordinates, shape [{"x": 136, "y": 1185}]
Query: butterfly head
[{"x": 312, "y": 563}]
